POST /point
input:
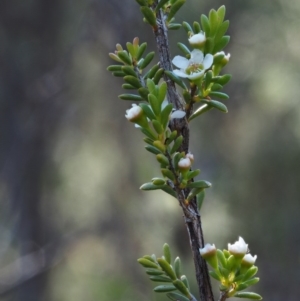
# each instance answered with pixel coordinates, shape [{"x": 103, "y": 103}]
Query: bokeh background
[{"x": 72, "y": 219}]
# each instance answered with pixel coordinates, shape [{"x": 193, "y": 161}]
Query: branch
[{"x": 191, "y": 214}]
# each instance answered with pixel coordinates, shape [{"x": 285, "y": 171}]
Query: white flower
[
  {"x": 225, "y": 58},
  {"x": 238, "y": 248},
  {"x": 248, "y": 259},
  {"x": 197, "y": 39},
  {"x": 190, "y": 156},
  {"x": 193, "y": 68},
  {"x": 133, "y": 113},
  {"x": 208, "y": 249},
  {"x": 184, "y": 163}
]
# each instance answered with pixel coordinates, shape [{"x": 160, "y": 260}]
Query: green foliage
[{"x": 161, "y": 270}]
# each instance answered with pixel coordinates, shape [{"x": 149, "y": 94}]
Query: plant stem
[
  {"x": 223, "y": 296},
  {"x": 191, "y": 214}
]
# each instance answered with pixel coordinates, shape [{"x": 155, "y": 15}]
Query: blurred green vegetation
[{"x": 71, "y": 164}]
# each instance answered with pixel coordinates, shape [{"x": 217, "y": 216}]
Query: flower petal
[
  {"x": 180, "y": 62},
  {"x": 177, "y": 114},
  {"x": 196, "y": 56},
  {"x": 195, "y": 75},
  {"x": 208, "y": 60},
  {"x": 180, "y": 73}
]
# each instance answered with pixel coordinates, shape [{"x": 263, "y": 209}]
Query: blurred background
[{"x": 73, "y": 220}]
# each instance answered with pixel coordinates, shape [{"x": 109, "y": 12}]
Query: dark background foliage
[{"x": 72, "y": 220}]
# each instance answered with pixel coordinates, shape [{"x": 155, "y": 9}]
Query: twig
[{"x": 191, "y": 214}]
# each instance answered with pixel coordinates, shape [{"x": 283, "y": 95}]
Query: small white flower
[
  {"x": 197, "y": 39},
  {"x": 133, "y": 113},
  {"x": 238, "y": 248},
  {"x": 190, "y": 156},
  {"x": 208, "y": 249},
  {"x": 193, "y": 68},
  {"x": 249, "y": 259},
  {"x": 184, "y": 163},
  {"x": 225, "y": 58}
]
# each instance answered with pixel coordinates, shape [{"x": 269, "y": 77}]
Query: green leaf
[
  {"x": 162, "y": 159},
  {"x": 155, "y": 105},
  {"x": 132, "y": 80},
  {"x": 154, "y": 272},
  {"x": 147, "y": 263},
  {"x": 170, "y": 191},
  {"x": 128, "y": 87},
  {"x": 162, "y": 278},
  {"x": 250, "y": 273},
  {"x": 181, "y": 287},
  {"x": 200, "y": 111},
  {"x": 158, "y": 181},
  {"x": 112, "y": 68},
  {"x": 130, "y": 49},
  {"x": 248, "y": 295},
  {"x": 147, "y": 60},
  {"x": 221, "y": 30},
  {"x": 208, "y": 78},
  {"x": 199, "y": 184},
  {"x": 123, "y": 55},
  {"x": 209, "y": 45},
  {"x": 151, "y": 72},
  {"x": 157, "y": 126},
  {"x": 217, "y": 105},
  {"x": 174, "y": 26},
  {"x": 115, "y": 57},
  {"x": 177, "y": 267},
  {"x": 158, "y": 75},
  {"x": 192, "y": 174},
  {"x": 165, "y": 288},
  {"x": 251, "y": 281},
  {"x": 185, "y": 281},
  {"x": 167, "y": 253},
  {"x": 221, "y": 13},
  {"x": 148, "y": 133},
  {"x": 132, "y": 97},
  {"x": 151, "y": 86},
  {"x": 152, "y": 149},
  {"x": 141, "y": 51},
  {"x": 215, "y": 275},
  {"x": 224, "y": 79},
  {"x": 174, "y": 9},
  {"x": 196, "y": 27},
  {"x": 165, "y": 114},
  {"x": 118, "y": 74},
  {"x": 176, "y": 79},
  {"x": 160, "y": 4},
  {"x": 150, "y": 186},
  {"x": 149, "y": 15},
  {"x": 144, "y": 93},
  {"x": 129, "y": 71},
  {"x": 162, "y": 91},
  {"x": 184, "y": 49},
  {"x": 216, "y": 87},
  {"x": 167, "y": 268},
  {"x": 142, "y": 2},
  {"x": 221, "y": 258},
  {"x": 213, "y": 22},
  {"x": 177, "y": 297},
  {"x": 219, "y": 94},
  {"x": 147, "y": 110},
  {"x": 187, "y": 27},
  {"x": 168, "y": 174},
  {"x": 205, "y": 25},
  {"x": 200, "y": 199},
  {"x": 177, "y": 144},
  {"x": 221, "y": 44}
]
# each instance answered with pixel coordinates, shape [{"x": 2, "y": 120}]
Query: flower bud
[
  {"x": 239, "y": 248},
  {"x": 198, "y": 40},
  {"x": 249, "y": 260},
  {"x": 209, "y": 253},
  {"x": 136, "y": 115},
  {"x": 184, "y": 164},
  {"x": 190, "y": 156}
]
